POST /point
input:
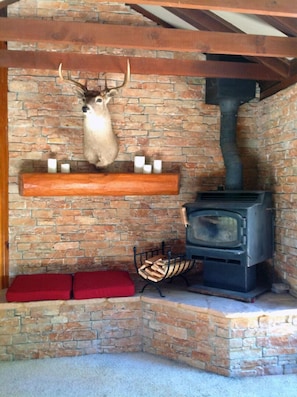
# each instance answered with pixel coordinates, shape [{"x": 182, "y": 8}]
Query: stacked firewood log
[{"x": 159, "y": 267}]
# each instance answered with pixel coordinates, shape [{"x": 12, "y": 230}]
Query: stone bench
[{"x": 214, "y": 334}]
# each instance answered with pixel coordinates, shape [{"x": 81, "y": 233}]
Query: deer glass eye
[{"x": 98, "y": 100}]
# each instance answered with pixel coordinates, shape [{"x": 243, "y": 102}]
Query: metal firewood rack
[{"x": 158, "y": 265}]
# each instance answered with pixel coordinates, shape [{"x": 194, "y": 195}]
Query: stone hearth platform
[{"x": 212, "y": 333}]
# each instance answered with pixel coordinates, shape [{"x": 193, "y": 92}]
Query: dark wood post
[{"x": 4, "y": 270}]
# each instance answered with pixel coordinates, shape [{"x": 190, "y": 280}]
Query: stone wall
[
  {"x": 70, "y": 328},
  {"x": 263, "y": 343},
  {"x": 277, "y": 164},
  {"x": 228, "y": 344},
  {"x": 221, "y": 341},
  {"x": 159, "y": 116}
]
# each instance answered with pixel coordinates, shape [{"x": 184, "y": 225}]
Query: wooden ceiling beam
[
  {"x": 278, "y": 86},
  {"x": 288, "y": 26},
  {"x": 115, "y": 36},
  {"x": 279, "y": 66},
  {"x": 150, "y": 16},
  {"x": 205, "y": 20},
  {"x": 117, "y": 64},
  {"x": 4, "y": 166},
  {"x": 283, "y": 8},
  {"x": 6, "y": 3}
]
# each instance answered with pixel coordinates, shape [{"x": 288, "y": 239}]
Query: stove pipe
[
  {"x": 232, "y": 161},
  {"x": 229, "y": 94}
]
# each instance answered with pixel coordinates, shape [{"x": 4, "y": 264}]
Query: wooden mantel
[{"x": 98, "y": 184}]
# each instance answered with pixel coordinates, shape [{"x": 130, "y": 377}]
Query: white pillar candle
[
  {"x": 157, "y": 167},
  {"x": 65, "y": 168},
  {"x": 147, "y": 169},
  {"x": 52, "y": 166},
  {"x": 138, "y": 164}
]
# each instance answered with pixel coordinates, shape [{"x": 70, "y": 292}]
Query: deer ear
[{"x": 112, "y": 92}]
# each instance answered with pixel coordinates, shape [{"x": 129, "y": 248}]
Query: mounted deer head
[{"x": 100, "y": 143}]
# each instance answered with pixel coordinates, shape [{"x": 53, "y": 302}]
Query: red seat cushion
[
  {"x": 38, "y": 287},
  {"x": 102, "y": 284}
]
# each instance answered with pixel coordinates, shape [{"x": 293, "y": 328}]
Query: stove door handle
[{"x": 184, "y": 217}]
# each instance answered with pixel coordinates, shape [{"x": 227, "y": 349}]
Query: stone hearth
[{"x": 215, "y": 334}]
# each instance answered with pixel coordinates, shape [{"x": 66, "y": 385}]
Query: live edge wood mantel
[{"x": 98, "y": 184}]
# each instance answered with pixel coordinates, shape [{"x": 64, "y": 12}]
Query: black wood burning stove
[{"x": 231, "y": 232}]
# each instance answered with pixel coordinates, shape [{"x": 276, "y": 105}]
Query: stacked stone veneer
[
  {"x": 231, "y": 345},
  {"x": 69, "y": 328},
  {"x": 160, "y": 116}
]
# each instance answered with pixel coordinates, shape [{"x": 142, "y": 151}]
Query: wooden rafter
[
  {"x": 6, "y": 3},
  {"x": 278, "y": 86},
  {"x": 150, "y": 16},
  {"x": 283, "y": 8},
  {"x": 14, "y": 29},
  {"x": 117, "y": 64},
  {"x": 208, "y": 21},
  {"x": 204, "y": 20},
  {"x": 288, "y": 26},
  {"x": 4, "y": 237}
]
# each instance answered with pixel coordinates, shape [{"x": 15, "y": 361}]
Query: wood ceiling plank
[
  {"x": 14, "y": 29},
  {"x": 283, "y": 8},
  {"x": 117, "y": 64}
]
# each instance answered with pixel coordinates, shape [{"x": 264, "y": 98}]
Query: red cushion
[
  {"x": 102, "y": 284},
  {"x": 38, "y": 287}
]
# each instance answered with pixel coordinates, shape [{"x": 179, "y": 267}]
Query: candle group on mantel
[
  {"x": 65, "y": 168},
  {"x": 140, "y": 167},
  {"x": 52, "y": 167},
  {"x": 139, "y": 162},
  {"x": 157, "y": 166}
]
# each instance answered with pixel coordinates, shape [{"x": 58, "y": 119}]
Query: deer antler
[
  {"x": 82, "y": 89},
  {"x": 127, "y": 76},
  {"x": 126, "y": 80}
]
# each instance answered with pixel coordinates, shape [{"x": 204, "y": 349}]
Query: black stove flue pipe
[
  {"x": 234, "y": 170},
  {"x": 229, "y": 94}
]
